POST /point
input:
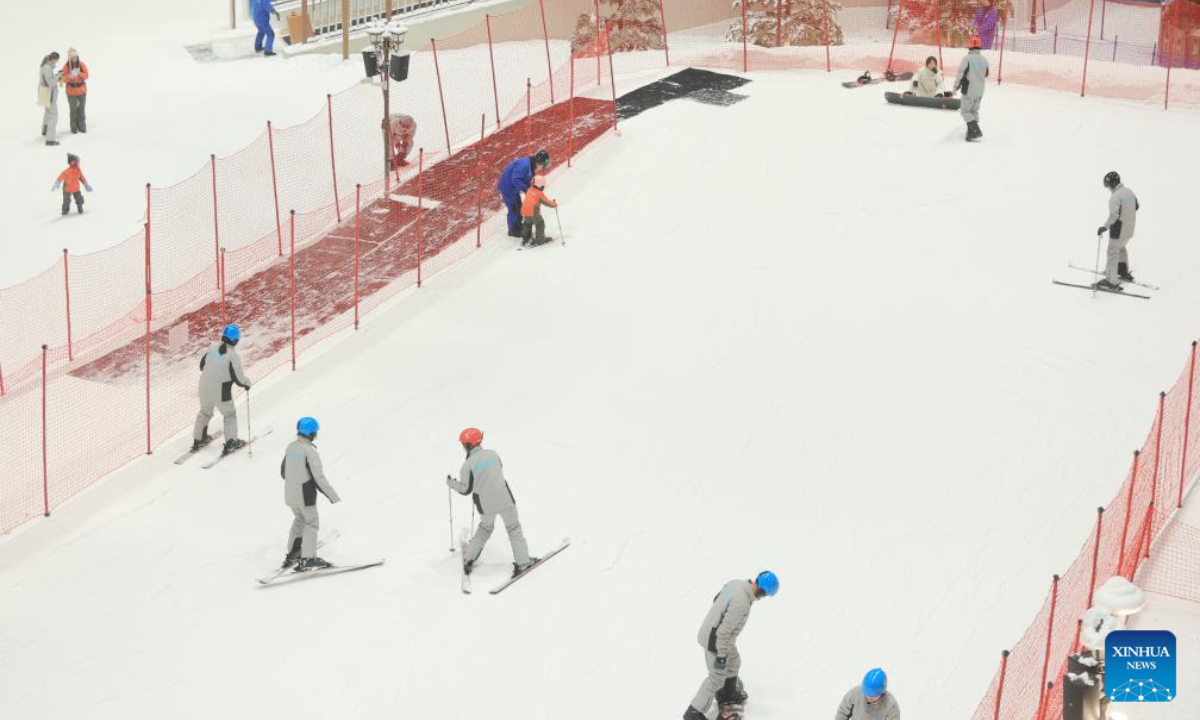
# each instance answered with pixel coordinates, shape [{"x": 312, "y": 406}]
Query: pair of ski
[
  {"x": 466, "y": 579},
  {"x": 1122, "y": 293},
  {"x": 215, "y": 436},
  {"x": 291, "y": 574}
]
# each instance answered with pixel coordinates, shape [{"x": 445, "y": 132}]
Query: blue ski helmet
[
  {"x": 232, "y": 334},
  {"x": 767, "y": 582},
  {"x": 307, "y": 426},
  {"x": 875, "y": 683}
]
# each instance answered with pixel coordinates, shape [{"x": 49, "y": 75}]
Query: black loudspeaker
[
  {"x": 370, "y": 63},
  {"x": 399, "y": 68}
]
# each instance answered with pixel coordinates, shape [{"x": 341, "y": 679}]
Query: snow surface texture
[{"x": 840, "y": 359}]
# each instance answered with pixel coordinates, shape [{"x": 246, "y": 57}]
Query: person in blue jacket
[
  {"x": 515, "y": 180},
  {"x": 261, "y": 11}
]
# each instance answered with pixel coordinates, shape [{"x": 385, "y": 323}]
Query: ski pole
[
  {"x": 249, "y": 432},
  {"x": 1097, "y": 263},
  {"x": 450, "y": 505},
  {"x": 561, "y": 238}
]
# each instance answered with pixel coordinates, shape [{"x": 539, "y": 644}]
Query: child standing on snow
[
  {"x": 531, "y": 214},
  {"x": 69, "y": 180}
]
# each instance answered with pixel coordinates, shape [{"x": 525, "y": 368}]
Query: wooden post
[
  {"x": 346, "y": 30},
  {"x": 332, "y": 159},
  {"x": 662, "y": 17},
  {"x": 612, "y": 80},
  {"x": 1033, "y": 17},
  {"x": 492, "y": 60},
  {"x": 745, "y": 51},
  {"x": 275, "y": 188},
  {"x": 546, "y": 39},
  {"x": 442, "y": 98}
]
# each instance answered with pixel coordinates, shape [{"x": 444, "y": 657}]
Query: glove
[
  {"x": 75, "y": 72},
  {"x": 56, "y": 187},
  {"x": 89, "y": 189},
  {"x": 1100, "y": 230},
  {"x": 720, "y": 663}
]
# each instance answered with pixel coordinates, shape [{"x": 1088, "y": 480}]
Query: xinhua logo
[{"x": 1140, "y": 666}]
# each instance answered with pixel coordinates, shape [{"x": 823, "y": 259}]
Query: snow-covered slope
[{"x": 820, "y": 342}]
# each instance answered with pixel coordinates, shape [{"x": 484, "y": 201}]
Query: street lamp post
[{"x": 386, "y": 59}]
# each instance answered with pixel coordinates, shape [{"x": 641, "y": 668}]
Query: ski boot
[
  {"x": 1106, "y": 285},
  {"x": 293, "y": 555},
  {"x": 543, "y": 241},
  {"x": 732, "y": 693},
  {"x": 197, "y": 444},
  {"x": 312, "y": 563},
  {"x": 693, "y": 714},
  {"x": 233, "y": 445},
  {"x": 865, "y": 78},
  {"x": 468, "y": 566},
  {"x": 731, "y": 711},
  {"x": 518, "y": 569},
  {"x": 514, "y": 232},
  {"x": 1123, "y": 272},
  {"x": 973, "y": 131}
]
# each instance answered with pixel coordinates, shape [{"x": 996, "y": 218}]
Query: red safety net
[{"x": 1172, "y": 569}]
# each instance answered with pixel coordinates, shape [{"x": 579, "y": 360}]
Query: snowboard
[
  {"x": 943, "y": 103},
  {"x": 875, "y": 81}
]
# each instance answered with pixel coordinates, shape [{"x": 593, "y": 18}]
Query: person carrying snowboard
[
  {"x": 220, "y": 370},
  {"x": 514, "y": 182},
  {"x": 718, "y": 636},
  {"x": 972, "y": 75},
  {"x": 533, "y": 225},
  {"x": 303, "y": 476},
  {"x": 482, "y": 477},
  {"x": 869, "y": 700},
  {"x": 1122, "y": 218},
  {"x": 69, "y": 181}
]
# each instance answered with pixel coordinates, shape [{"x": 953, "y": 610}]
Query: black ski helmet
[
  {"x": 542, "y": 158},
  {"x": 72, "y": 158},
  {"x": 1112, "y": 179}
]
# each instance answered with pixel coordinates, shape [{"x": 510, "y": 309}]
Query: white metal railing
[{"x": 325, "y": 16}]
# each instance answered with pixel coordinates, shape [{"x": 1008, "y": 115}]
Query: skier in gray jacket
[
  {"x": 48, "y": 78},
  {"x": 718, "y": 636},
  {"x": 971, "y": 78},
  {"x": 220, "y": 370},
  {"x": 482, "y": 476},
  {"x": 869, "y": 700},
  {"x": 303, "y": 476},
  {"x": 1122, "y": 219}
]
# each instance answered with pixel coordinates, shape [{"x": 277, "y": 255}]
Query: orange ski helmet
[
  {"x": 471, "y": 437},
  {"x": 975, "y": 43}
]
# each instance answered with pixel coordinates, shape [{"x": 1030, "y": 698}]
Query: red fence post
[
  {"x": 149, "y": 314},
  {"x": 1168, "y": 53},
  {"x": 1128, "y": 510},
  {"x": 825, "y": 11},
  {"x": 1033, "y": 18},
  {"x": 597, "y": 4},
  {"x": 662, "y": 16},
  {"x": 895, "y": 32},
  {"x": 492, "y": 60},
  {"x": 1000, "y": 686},
  {"x": 1087, "y": 48},
  {"x": 778, "y": 23},
  {"x": 2, "y": 381},
  {"x": 292, "y": 280},
  {"x": 275, "y": 187},
  {"x": 1187, "y": 421},
  {"x": 357, "y": 212},
  {"x": 67, "y": 288},
  {"x": 612, "y": 80},
  {"x": 745, "y": 51},
  {"x": 1162, "y": 401},
  {"x": 1003, "y": 36},
  {"x": 1096, "y": 553},
  {"x": 420, "y": 209},
  {"x": 546, "y": 38},
  {"x": 1078, "y": 630},
  {"x": 571, "y": 117},
  {"x": 212, "y": 159},
  {"x": 482, "y": 186},
  {"x": 937, "y": 24},
  {"x": 1049, "y": 636},
  {"x": 147, "y": 202},
  {"x": 332, "y": 159},
  {"x": 45, "y": 455},
  {"x": 441, "y": 98},
  {"x": 221, "y": 275},
  {"x": 528, "y": 117}
]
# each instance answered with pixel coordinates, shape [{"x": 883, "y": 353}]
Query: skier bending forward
[
  {"x": 718, "y": 636},
  {"x": 869, "y": 700},
  {"x": 482, "y": 476}
]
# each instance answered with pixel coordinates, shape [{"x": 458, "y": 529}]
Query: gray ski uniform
[
  {"x": 303, "y": 476},
  {"x": 1122, "y": 218},
  {"x": 854, "y": 706},
  {"x": 220, "y": 370},
  {"x": 718, "y": 636},
  {"x": 50, "y": 116},
  {"x": 972, "y": 77},
  {"x": 483, "y": 477}
]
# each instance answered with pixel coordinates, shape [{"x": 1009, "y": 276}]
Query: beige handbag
[{"x": 43, "y": 96}]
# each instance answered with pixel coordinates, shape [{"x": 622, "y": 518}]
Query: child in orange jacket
[
  {"x": 70, "y": 180},
  {"x": 531, "y": 214}
]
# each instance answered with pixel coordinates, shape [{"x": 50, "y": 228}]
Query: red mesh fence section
[{"x": 1172, "y": 567}]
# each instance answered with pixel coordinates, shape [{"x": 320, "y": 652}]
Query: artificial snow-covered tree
[
  {"x": 955, "y": 20},
  {"x": 774, "y": 23},
  {"x": 583, "y": 40},
  {"x": 633, "y": 25}
]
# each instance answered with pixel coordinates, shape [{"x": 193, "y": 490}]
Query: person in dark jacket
[
  {"x": 515, "y": 180},
  {"x": 220, "y": 370},
  {"x": 304, "y": 476}
]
